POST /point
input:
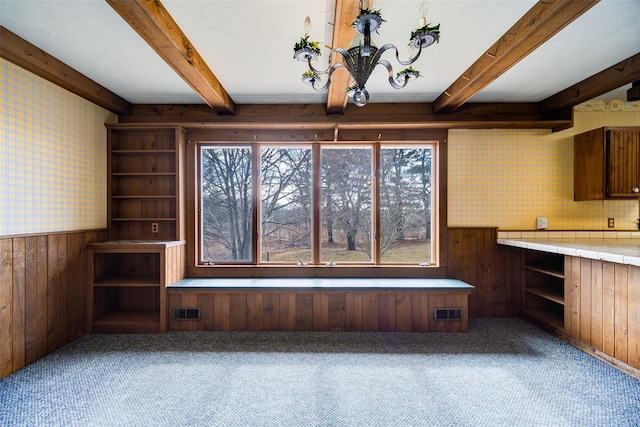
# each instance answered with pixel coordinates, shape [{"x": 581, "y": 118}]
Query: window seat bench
[{"x": 319, "y": 304}]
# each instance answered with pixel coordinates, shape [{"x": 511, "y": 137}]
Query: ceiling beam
[
  {"x": 343, "y": 33},
  {"x": 623, "y": 73},
  {"x": 309, "y": 117},
  {"x": 153, "y": 23},
  {"x": 35, "y": 60},
  {"x": 538, "y": 25}
]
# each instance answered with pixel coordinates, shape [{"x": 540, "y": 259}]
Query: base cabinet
[
  {"x": 126, "y": 289},
  {"x": 590, "y": 303},
  {"x": 603, "y": 308}
]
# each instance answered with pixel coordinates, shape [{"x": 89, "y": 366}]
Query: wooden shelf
[
  {"x": 543, "y": 287},
  {"x": 150, "y": 152},
  {"x": 546, "y": 271},
  {"x": 135, "y": 174},
  {"x": 130, "y": 317},
  {"x": 143, "y": 219},
  {"x": 126, "y": 284},
  {"x": 128, "y": 281},
  {"x": 548, "y": 319},
  {"x": 136, "y": 197},
  {"x": 129, "y": 321},
  {"x": 146, "y": 182},
  {"x": 548, "y": 294}
]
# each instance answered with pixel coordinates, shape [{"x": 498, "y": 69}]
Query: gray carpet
[{"x": 503, "y": 372}]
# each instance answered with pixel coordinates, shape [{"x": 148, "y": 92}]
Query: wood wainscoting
[
  {"x": 42, "y": 294},
  {"x": 474, "y": 256},
  {"x": 43, "y": 297},
  {"x": 317, "y": 310}
]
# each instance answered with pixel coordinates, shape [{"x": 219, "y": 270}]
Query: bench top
[{"x": 323, "y": 283}]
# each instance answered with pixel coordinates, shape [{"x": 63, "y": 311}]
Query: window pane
[
  {"x": 286, "y": 205},
  {"x": 405, "y": 204},
  {"x": 346, "y": 204},
  {"x": 226, "y": 204}
]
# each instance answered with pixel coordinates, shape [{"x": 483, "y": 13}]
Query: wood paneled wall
[
  {"x": 42, "y": 295},
  {"x": 474, "y": 257},
  {"x": 602, "y": 307},
  {"x": 43, "y": 298},
  {"x": 317, "y": 310}
]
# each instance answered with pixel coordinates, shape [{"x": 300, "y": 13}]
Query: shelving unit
[
  {"x": 146, "y": 194},
  {"x": 543, "y": 290},
  {"x": 126, "y": 289}
]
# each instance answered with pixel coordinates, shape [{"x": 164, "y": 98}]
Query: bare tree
[
  {"x": 286, "y": 195},
  {"x": 226, "y": 202},
  {"x": 346, "y": 190}
]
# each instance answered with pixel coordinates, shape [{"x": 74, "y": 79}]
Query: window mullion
[
  {"x": 316, "y": 205},
  {"x": 375, "y": 203},
  {"x": 255, "y": 200}
]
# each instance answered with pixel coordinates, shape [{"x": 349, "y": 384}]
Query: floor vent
[
  {"x": 448, "y": 313},
  {"x": 186, "y": 313}
]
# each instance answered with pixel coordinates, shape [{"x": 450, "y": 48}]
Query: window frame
[{"x": 261, "y": 269}]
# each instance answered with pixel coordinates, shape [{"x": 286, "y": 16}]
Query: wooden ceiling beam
[
  {"x": 343, "y": 33},
  {"x": 35, "y": 60},
  {"x": 538, "y": 25},
  {"x": 309, "y": 117},
  {"x": 623, "y": 73},
  {"x": 153, "y": 23}
]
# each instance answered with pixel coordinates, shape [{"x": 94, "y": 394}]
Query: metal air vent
[
  {"x": 448, "y": 313},
  {"x": 186, "y": 313}
]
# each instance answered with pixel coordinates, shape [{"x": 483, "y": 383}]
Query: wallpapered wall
[
  {"x": 506, "y": 178},
  {"x": 53, "y": 166},
  {"x": 52, "y": 157}
]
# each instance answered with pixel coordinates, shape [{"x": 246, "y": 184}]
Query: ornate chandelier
[{"x": 363, "y": 56}]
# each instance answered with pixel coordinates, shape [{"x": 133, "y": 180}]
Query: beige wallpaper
[
  {"x": 507, "y": 178},
  {"x": 52, "y": 156}
]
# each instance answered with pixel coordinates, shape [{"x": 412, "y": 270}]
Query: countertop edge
[{"x": 586, "y": 248}]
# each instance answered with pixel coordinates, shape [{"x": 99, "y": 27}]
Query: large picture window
[{"x": 317, "y": 204}]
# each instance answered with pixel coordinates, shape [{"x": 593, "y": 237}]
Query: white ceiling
[{"x": 248, "y": 44}]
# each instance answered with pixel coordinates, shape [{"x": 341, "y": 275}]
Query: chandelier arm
[
  {"x": 315, "y": 70},
  {"x": 347, "y": 62},
  {"x": 360, "y": 97},
  {"x": 389, "y": 46},
  {"x": 392, "y": 81},
  {"x": 329, "y": 73}
]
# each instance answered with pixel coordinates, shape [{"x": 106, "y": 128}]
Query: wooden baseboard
[{"x": 598, "y": 354}]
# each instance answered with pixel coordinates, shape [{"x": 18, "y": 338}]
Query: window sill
[{"x": 272, "y": 271}]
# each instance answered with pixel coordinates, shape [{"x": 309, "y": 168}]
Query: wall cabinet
[
  {"x": 607, "y": 163},
  {"x": 145, "y": 182},
  {"x": 544, "y": 288},
  {"x": 126, "y": 289}
]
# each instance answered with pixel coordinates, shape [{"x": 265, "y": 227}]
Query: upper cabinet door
[
  {"x": 607, "y": 164},
  {"x": 624, "y": 164}
]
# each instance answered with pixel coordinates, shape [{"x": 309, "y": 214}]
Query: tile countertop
[{"x": 622, "y": 247}]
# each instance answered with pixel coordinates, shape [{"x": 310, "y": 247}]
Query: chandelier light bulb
[
  {"x": 423, "y": 13},
  {"x": 307, "y": 26}
]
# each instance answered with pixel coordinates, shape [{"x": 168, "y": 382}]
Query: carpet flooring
[{"x": 503, "y": 372}]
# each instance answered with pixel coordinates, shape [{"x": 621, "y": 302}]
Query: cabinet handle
[{"x": 635, "y": 189}]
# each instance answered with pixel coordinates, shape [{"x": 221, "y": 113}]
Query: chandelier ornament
[{"x": 363, "y": 56}]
